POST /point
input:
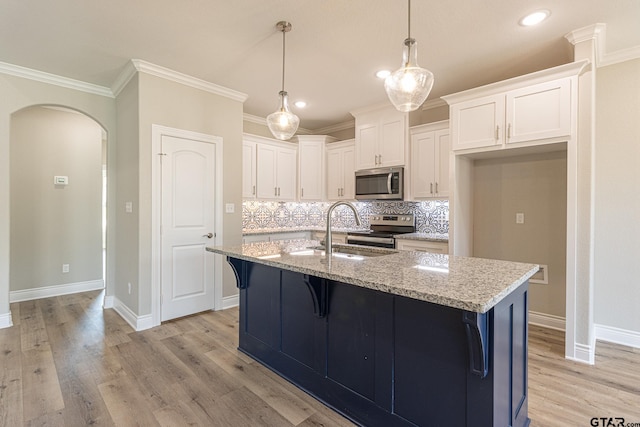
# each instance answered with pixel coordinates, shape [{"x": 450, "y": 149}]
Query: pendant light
[
  {"x": 409, "y": 86},
  {"x": 283, "y": 124}
]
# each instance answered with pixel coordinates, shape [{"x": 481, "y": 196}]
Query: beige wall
[
  {"x": 127, "y": 239},
  {"x": 51, "y": 224},
  {"x": 535, "y": 185},
  {"x": 17, "y": 93},
  {"x": 171, "y": 104},
  {"x": 617, "y": 196}
]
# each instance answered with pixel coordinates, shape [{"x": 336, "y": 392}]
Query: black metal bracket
[
  {"x": 319, "y": 294},
  {"x": 476, "y": 326},
  {"x": 237, "y": 267}
]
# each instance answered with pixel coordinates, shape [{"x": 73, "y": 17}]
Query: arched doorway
[{"x": 58, "y": 202}]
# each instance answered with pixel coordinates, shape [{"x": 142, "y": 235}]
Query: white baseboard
[
  {"x": 617, "y": 335},
  {"x": 547, "y": 320},
  {"x": 5, "y": 320},
  {"x": 138, "y": 323},
  {"x": 231, "y": 301},
  {"x": 108, "y": 301},
  {"x": 584, "y": 353},
  {"x": 55, "y": 290}
]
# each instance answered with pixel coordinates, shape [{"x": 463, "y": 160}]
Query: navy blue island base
[{"x": 387, "y": 360}]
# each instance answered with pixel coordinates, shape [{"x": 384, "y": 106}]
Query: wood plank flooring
[{"x": 67, "y": 362}]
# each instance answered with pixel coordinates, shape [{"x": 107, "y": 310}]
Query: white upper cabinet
[
  {"x": 275, "y": 169},
  {"x": 430, "y": 153},
  {"x": 341, "y": 170},
  {"x": 311, "y": 166},
  {"x": 527, "y": 110},
  {"x": 381, "y": 137},
  {"x": 248, "y": 169}
]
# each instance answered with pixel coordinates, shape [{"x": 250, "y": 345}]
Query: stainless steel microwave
[{"x": 380, "y": 184}]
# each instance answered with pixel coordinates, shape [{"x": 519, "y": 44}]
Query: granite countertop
[
  {"x": 429, "y": 237},
  {"x": 472, "y": 284}
]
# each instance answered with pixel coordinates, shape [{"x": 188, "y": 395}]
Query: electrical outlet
[
  {"x": 129, "y": 285},
  {"x": 230, "y": 208},
  {"x": 128, "y": 207},
  {"x": 65, "y": 268},
  {"x": 519, "y": 218}
]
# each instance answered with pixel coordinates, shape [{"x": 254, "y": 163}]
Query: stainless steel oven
[
  {"x": 380, "y": 184},
  {"x": 382, "y": 229}
]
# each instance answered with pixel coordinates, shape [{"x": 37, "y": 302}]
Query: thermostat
[{"x": 61, "y": 180}]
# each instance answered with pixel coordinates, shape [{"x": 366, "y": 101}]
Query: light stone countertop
[
  {"x": 472, "y": 284},
  {"x": 429, "y": 237}
]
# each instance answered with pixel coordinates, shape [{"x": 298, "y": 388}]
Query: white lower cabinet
[{"x": 422, "y": 246}]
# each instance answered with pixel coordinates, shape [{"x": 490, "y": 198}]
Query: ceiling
[{"x": 333, "y": 51}]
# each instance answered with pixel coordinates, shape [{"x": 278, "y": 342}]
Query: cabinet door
[
  {"x": 311, "y": 156},
  {"x": 478, "y": 123},
  {"x": 266, "y": 172},
  {"x": 248, "y": 170},
  {"x": 391, "y": 141},
  {"x": 422, "y": 165},
  {"x": 349, "y": 173},
  {"x": 538, "y": 112},
  {"x": 367, "y": 146},
  {"x": 441, "y": 163},
  {"x": 286, "y": 174},
  {"x": 334, "y": 174}
]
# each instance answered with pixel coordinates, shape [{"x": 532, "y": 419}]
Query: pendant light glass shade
[
  {"x": 283, "y": 124},
  {"x": 409, "y": 86}
]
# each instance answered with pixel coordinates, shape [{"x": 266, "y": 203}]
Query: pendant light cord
[
  {"x": 283, "y": 55},
  {"x": 409, "y": 21}
]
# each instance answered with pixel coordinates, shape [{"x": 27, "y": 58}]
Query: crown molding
[
  {"x": 262, "y": 121},
  {"x": 598, "y": 32},
  {"x": 434, "y": 103},
  {"x": 52, "y": 79},
  {"x": 620, "y": 56},
  {"x": 349, "y": 124},
  {"x": 123, "y": 78},
  {"x": 175, "y": 76}
]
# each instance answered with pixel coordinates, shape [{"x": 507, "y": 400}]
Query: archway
[{"x": 58, "y": 202}]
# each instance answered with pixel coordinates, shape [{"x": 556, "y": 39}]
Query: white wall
[
  {"x": 617, "y": 196},
  {"x": 52, "y": 225},
  {"x": 17, "y": 93}
]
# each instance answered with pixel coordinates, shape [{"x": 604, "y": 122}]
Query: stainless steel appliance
[
  {"x": 382, "y": 229},
  {"x": 380, "y": 184}
]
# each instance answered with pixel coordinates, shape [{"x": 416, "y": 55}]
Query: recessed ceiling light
[
  {"x": 300, "y": 104},
  {"x": 534, "y": 18},
  {"x": 383, "y": 74}
]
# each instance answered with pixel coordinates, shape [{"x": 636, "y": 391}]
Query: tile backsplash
[{"x": 431, "y": 216}]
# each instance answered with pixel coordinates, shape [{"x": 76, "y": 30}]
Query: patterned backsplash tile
[{"x": 431, "y": 216}]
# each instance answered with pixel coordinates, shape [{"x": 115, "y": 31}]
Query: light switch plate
[
  {"x": 519, "y": 218},
  {"x": 128, "y": 207}
]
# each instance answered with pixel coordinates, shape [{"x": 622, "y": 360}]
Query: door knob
[{"x": 208, "y": 235}]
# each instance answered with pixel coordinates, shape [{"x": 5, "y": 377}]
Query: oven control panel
[{"x": 402, "y": 220}]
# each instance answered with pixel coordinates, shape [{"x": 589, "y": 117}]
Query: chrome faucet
[{"x": 327, "y": 238}]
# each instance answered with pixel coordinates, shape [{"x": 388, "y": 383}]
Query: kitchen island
[{"x": 389, "y": 338}]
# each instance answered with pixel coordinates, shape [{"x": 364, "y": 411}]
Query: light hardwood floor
[{"x": 67, "y": 362}]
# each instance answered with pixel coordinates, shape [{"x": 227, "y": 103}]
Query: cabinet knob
[
  {"x": 431, "y": 187},
  {"x": 436, "y": 188}
]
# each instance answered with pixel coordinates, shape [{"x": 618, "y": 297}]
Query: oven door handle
[
  {"x": 389, "y": 182},
  {"x": 384, "y": 240}
]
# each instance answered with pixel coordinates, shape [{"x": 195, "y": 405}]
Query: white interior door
[{"x": 187, "y": 224}]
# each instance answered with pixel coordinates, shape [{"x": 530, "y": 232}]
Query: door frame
[{"x": 157, "y": 132}]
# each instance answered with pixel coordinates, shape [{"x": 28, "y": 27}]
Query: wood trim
[
  {"x": 230, "y": 301},
  {"x": 548, "y": 321},
  {"x": 138, "y": 323},
  {"x": 6, "y": 320},
  {"x": 617, "y": 335}
]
